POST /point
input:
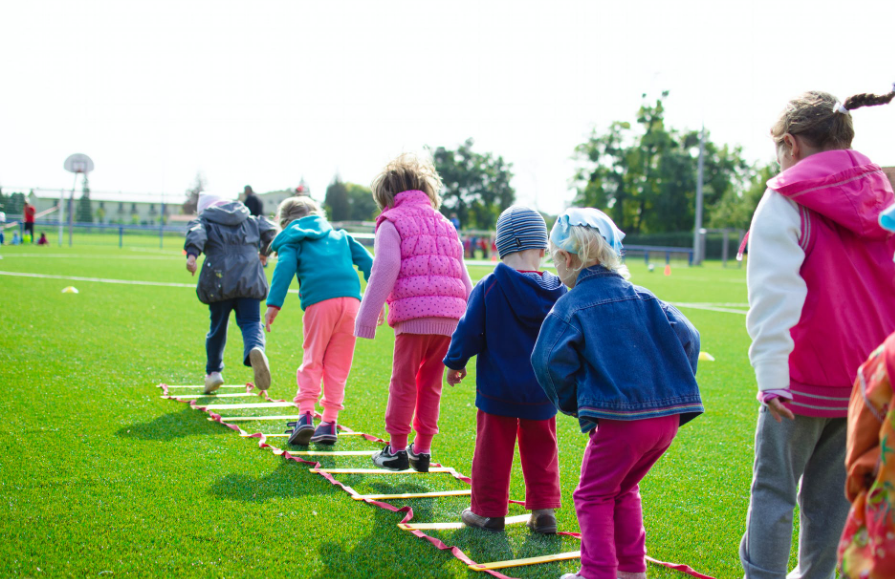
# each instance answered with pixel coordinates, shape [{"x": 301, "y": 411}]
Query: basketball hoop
[{"x": 78, "y": 163}]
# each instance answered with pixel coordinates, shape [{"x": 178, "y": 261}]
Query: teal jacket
[{"x": 322, "y": 257}]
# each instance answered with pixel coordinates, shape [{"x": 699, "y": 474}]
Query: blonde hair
[
  {"x": 295, "y": 208},
  {"x": 590, "y": 249},
  {"x": 815, "y": 116},
  {"x": 407, "y": 172}
]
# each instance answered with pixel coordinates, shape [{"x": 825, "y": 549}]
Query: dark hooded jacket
[
  {"x": 231, "y": 240},
  {"x": 500, "y": 326}
]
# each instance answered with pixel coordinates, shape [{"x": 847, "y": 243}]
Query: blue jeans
[{"x": 248, "y": 318}]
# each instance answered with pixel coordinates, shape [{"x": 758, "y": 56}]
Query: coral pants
[
  {"x": 492, "y": 463},
  {"x": 328, "y": 351},
  {"x": 607, "y": 499},
  {"x": 415, "y": 388}
]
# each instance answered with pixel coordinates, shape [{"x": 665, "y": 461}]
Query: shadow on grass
[
  {"x": 187, "y": 422},
  {"x": 289, "y": 480}
]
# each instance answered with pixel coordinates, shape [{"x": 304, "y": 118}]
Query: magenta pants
[{"x": 607, "y": 499}]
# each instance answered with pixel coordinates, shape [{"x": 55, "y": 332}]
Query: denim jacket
[{"x": 610, "y": 349}]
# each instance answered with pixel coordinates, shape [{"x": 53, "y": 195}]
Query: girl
[
  {"x": 324, "y": 260},
  {"x": 419, "y": 271},
  {"x": 623, "y": 363},
  {"x": 821, "y": 298},
  {"x": 232, "y": 279}
]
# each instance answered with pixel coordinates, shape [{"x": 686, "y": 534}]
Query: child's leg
[
  {"x": 409, "y": 350},
  {"x": 428, "y": 391},
  {"x": 216, "y": 338},
  {"x": 248, "y": 318},
  {"x": 823, "y": 507},
  {"x": 337, "y": 359},
  {"x": 782, "y": 451},
  {"x": 539, "y": 453},
  {"x": 492, "y": 463},
  {"x": 317, "y": 327}
]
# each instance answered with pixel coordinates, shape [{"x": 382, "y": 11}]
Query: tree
[
  {"x": 476, "y": 186},
  {"x": 363, "y": 207},
  {"x": 735, "y": 208},
  {"x": 84, "y": 212},
  {"x": 190, "y": 207},
  {"x": 336, "y": 201},
  {"x": 15, "y": 205},
  {"x": 2, "y": 200}
]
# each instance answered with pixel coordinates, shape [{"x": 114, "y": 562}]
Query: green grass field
[{"x": 100, "y": 476}]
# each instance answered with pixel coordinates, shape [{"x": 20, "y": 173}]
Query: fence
[
  {"x": 656, "y": 252},
  {"x": 103, "y": 233}
]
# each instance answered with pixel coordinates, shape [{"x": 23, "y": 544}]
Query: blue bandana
[
  {"x": 586, "y": 217},
  {"x": 887, "y": 218}
]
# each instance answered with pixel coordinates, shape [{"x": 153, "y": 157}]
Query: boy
[{"x": 500, "y": 326}]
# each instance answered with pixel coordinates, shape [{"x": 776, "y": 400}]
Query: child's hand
[
  {"x": 191, "y": 264},
  {"x": 381, "y": 319},
  {"x": 263, "y": 259},
  {"x": 269, "y": 316},
  {"x": 455, "y": 376},
  {"x": 778, "y": 410}
]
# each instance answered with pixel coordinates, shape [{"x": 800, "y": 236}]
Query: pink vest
[
  {"x": 430, "y": 282},
  {"x": 848, "y": 269}
]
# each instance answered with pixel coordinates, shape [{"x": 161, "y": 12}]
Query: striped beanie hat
[{"x": 520, "y": 228}]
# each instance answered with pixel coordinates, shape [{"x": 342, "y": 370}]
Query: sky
[{"x": 265, "y": 93}]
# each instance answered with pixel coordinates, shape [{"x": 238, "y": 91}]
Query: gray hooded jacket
[{"x": 231, "y": 239}]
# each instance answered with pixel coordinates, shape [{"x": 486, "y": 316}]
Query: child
[
  {"x": 500, "y": 326},
  {"x": 231, "y": 279},
  {"x": 324, "y": 260},
  {"x": 43, "y": 239},
  {"x": 623, "y": 363},
  {"x": 418, "y": 269},
  {"x": 821, "y": 295}
]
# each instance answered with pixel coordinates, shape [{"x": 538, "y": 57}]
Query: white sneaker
[
  {"x": 630, "y": 575},
  {"x": 213, "y": 381},
  {"x": 261, "y": 368}
]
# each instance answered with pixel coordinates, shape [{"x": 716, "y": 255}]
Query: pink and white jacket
[
  {"x": 821, "y": 280},
  {"x": 418, "y": 269}
]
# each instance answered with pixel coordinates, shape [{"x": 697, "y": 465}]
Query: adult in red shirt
[{"x": 29, "y": 219}]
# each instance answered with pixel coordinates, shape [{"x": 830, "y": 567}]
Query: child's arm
[
  {"x": 469, "y": 337},
  {"x": 194, "y": 245},
  {"x": 686, "y": 332},
  {"x": 863, "y": 450},
  {"x": 360, "y": 257},
  {"x": 268, "y": 231},
  {"x": 556, "y": 361},
  {"x": 383, "y": 275},
  {"x": 287, "y": 264}
]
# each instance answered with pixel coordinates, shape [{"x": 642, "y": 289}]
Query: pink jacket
[{"x": 848, "y": 273}]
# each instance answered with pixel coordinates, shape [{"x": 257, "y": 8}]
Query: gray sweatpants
[{"x": 810, "y": 451}]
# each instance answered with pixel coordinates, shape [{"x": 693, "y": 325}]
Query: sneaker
[
  {"x": 304, "y": 429},
  {"x": 419, "y": 462},
  {"x": 261, "y": 368},
  {"x": 326, "y": 433},
  {"x": 213, "y": 381},
  {"x": 475, "y": 521},
  {"x": 389, "y": 460},
  {"x": 543, "y": 521}
]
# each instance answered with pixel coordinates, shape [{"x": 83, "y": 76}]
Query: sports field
[{"x": 103, "y": 477}]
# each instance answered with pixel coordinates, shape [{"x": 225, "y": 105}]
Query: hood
[
  {"x": 530, "y": 296},
  {"x": 232, "y": 213},
  {"x": 309, "y": 227},
  {"x": 843, "y": 186}
]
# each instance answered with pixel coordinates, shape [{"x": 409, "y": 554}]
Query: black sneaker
[
  {"x": 419, "y": 462},
  {"x": 325, "y": 434},
  {"x": 472, "y": 520},
  {"x": 389, "y": 460},
  {"x": 304, "y": 429}
]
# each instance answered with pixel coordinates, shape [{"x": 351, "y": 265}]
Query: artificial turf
[{"x": 100, "y": 476}]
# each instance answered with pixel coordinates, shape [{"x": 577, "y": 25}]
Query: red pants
[
  {"x": 493, "y": 461},
  {"x": 415, "y": 388}
]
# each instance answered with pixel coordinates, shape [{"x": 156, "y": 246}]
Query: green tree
[
  {"x": 476, "y": 185},
  {"x": 336, "y": 201},
  {"x": 190, "y": 206},
  {"x": 84, "y": 213},
  {"x": 735, "y": 208},
  {"x": 15, "y": 205},
  {"x": 363, "y": 207},
  {"x": 2, "y": 200}
]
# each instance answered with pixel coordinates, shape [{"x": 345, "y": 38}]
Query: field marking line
[
  {"x": 376, "y": 470},
  {"x": 245, "y": 406},
  {"x": 457, "y": 493},
  {"x": 526, "y": 561},
  {"x": 456, "y": 525},
  {"x": 708, "y": 308}
]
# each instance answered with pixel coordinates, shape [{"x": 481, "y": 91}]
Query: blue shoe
[
  {"x": 326, "y": 433},
  {"x": 304, "y": 429}
]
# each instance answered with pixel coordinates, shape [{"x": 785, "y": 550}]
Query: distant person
[
  {"x": 232, "y": 279},
  {"x": 455, "y": 221},
  {"x": 821, "y": 300},
  {"x": 255, "y": 205},
  {"x": 2, "y": 222},
  {"x": 323, "y": 259},
  {"x": 43, "y": 239},
  {"x": 29, "y": 211},
  {"x": 16, "y": 238},
  {"x": 500, "y": 327}
]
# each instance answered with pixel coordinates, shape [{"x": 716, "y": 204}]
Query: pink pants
[
  {"x": 328, "y": 350},
  {"x": 492, "y": 463},
  {"x": 607, "y": 499},
  {"x": 415, "y": 388}
]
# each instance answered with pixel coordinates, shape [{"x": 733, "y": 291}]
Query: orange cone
[{"x": 667, "y": 269}]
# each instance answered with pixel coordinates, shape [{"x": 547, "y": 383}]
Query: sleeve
[
  {"x": 268, "y": 232},
  {"x": 469, "y": 337},
  {"x": 360, "y": 257},
  {"x": 863, "y": 450},
  {"x": 383, "y": 275},
  {"x": 686, "y": 333},
  {"x": 196, "y": 236},
  {"x": 776, "y": 290},
  {"x": 556, "y": 362},
  {"x": 287, "y": 264}
]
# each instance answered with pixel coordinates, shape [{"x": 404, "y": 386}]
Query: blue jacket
[
  {"x": 322, "y": 257},
  {"x": 610, "y": 349},
  {"x": 501, "y": 325}
]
